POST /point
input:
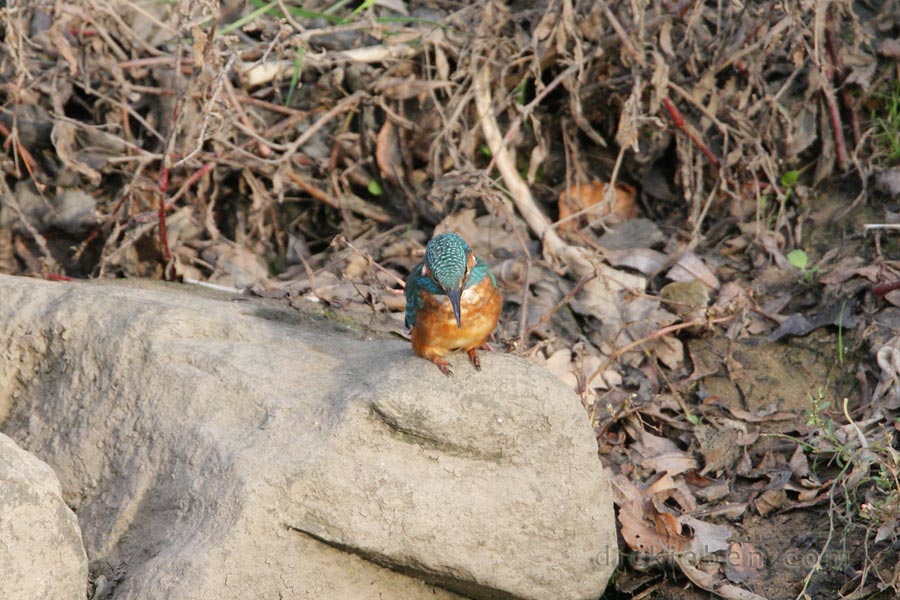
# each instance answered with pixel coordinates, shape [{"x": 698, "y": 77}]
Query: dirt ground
[{"x": 690, "y": 208}]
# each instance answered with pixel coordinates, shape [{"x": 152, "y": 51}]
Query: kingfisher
[{"x": 452, "y": 301}]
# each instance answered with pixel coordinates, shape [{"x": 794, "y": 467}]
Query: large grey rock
[
  {"x": 41, "y": 554},
  {"x": 222, "y": 449}
]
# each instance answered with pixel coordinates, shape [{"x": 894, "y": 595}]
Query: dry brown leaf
[
  {"x": 669, "y": 351},
  {"x": 671, "y": 463},
  {"x": 887, "y": 530},
  {"x": 662, "y": 485},
  {"x": 582, "y": 196},
  {"x": 64, "y": 140},
  {"x": 438, "y": 40},
  {"x": 712, "y": 583},
  {"x": 798, "y": 463},
  {"x": 652, "y": 528},
  {"x": 770, "y": 501},
  {"x": 744, "y": 465},
  {"x": 804, "y": 494},
  {"x": 716, "y": 491},
  {"x": 616, "y": 299},
  {"x": 659, "y": 82},
  {"x": 642, "y": 260},
  {"x": 489, "y": 235},
  {"x": 743, "y": 563},
  {"x": 573, "y": 370},
  {"x": 645, "y": 443},
  {"x": 733, "y": 296},
  {"x": 60, "y": 43},
  {"x": 387, "y": 153},
  {"x": 234, "y": 265},
  {"x": 356, "y": 267},
  {"x": 560, "y": 364},
  {"x": 707, "y": 538},
  {"x": 889, "y": 48},
  {"x": 607, "y": 379},
  {"x": 639, "y": 532},
  {"x": 650, "y": 532},
  {"x": 405, "y": 89},
  {"x": 690, "y": 267}
]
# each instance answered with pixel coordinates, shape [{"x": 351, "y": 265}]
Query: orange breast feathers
[{"x": 435, "y": 332}]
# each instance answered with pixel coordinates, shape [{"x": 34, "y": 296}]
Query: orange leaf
[{"x": 582, "y": 196}]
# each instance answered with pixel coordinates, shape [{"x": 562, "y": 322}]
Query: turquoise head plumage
[
  {"x": 447, "y": 261},
  {"x": 449, "y": 268}
]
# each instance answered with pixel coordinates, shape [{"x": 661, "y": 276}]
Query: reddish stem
[
  {"x": 678, "y": 122},
  {"x": 832, "y": 65},
  {"x": 163, "y": 234}
]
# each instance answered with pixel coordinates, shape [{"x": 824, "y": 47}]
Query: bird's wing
[
  {"x": 417, "y": 283},
  {"x": 414, "y": 294}
]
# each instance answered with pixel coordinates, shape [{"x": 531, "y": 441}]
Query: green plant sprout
[
  {"x": 789, "y": 182},
  {"x": 800, "y": 260},
  {"x": 817, "y": 408},
  {"x": 367, "y": 4},
  {"x": 840, "y": 334},
  {"x": 295, "y": 75},
  {"x": 374, "y": 188}
]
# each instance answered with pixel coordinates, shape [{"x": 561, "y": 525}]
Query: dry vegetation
[{"x": 672, "y": 195}]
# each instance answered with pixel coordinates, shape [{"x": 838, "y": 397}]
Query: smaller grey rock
[
  {"x": 887, "y": 182},
  {"x": 42, "y": 555}
]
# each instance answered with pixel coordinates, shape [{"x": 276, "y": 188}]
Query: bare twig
[{"x": 518, "y": 189}]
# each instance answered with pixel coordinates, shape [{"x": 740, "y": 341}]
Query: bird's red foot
[
  {"x": 473, "y": 356},
  {"x": 486, "y": 348},
  {"x": 443, "y": 365}
]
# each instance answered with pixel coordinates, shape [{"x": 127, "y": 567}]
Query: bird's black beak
[{"x": 454, "y": 300}]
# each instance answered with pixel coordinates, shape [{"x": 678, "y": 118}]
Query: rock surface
[
  {"x": 215, "y": 448},
  {"x": 41, "y": 554}
]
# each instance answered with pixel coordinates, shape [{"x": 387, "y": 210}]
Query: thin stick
[{"x": 518, "y": 189}]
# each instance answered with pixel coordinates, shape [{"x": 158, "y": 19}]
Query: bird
[{"x": 452, "y": 302}]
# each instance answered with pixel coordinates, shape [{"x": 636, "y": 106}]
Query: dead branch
[{"x": 518, "y": 189}]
